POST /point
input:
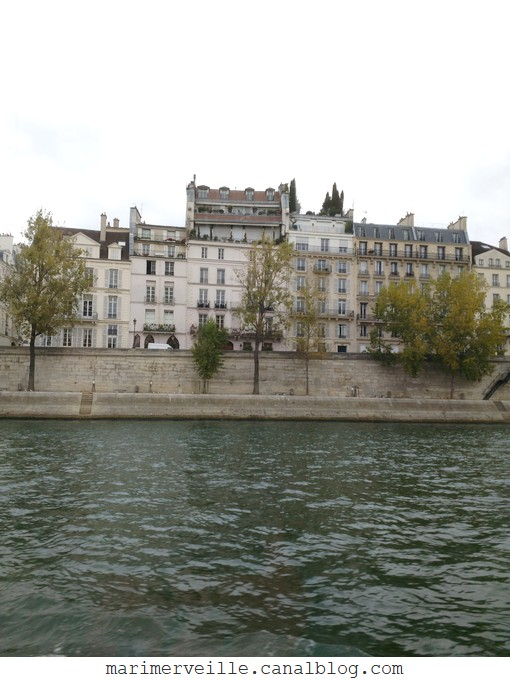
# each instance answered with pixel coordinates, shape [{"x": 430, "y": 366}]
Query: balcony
[
  {"x": 202, "y": 304},
  {"x": 322, "y": 268},
  {"x": 88, "y": 316},
  {"x": 159, "y": 327},
  {"x": 220, "y": 305}
]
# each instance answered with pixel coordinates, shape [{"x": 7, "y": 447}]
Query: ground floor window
[
  {"x": 87, "y": 337},
  {"x": 341, "y": 348},
  {"x": 67, "y": 337},
  {"x": 112, "y": 337}
]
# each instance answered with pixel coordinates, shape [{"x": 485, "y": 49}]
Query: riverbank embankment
[{"x": 89, "y": 405}]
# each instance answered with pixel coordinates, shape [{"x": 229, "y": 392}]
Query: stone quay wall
[{"x": 138, "y": 371}]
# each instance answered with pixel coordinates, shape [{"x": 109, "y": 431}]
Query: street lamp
[{"x": 134, "y": 333}]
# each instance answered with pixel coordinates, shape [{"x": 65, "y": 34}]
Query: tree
[
  {"x": 466, "y": 335},
  {"x": 326, "y": 205},
  {"x": 334, "y": 204},
  {"x": 294, "y": 204},
  {"x": 403, "y": 309},
  {"x": 446, "y": 322},
  {"x": 43, "y": 289},
  {"x": 266, "y": 300},
  {"x": 207, "y": 351},
  {"x": 309, "y": 336}
]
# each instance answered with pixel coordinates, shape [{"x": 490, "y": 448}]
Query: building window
[
  {"x": 424, "y": 271},
  {"x": 378, "y": 287},
  {"x": 300, "y": 282},
  {"x": 220, "y": 277},
  {"x": 220, "y": 320},
  {"x": 204, "y": 252},
  {"x": 363, "y": 287},
  {"x": 249, "y": 194},
  {"x": 408, "y": 250},
  {"x": 342, "y": 307},
  {"x": 393, "y": 250},
  {"x": 146, "y": 233},
  {"x": 146, "y": 249},
  {"x": 321, "y": 284},
  {"x": 342, "y": 330},
  {"x": 325, "y": 245},
  {"x": 456, "y": 237},
  {"x": 379, "y": 268},
  {"x": 363, "y": 248},
  {"x": 409, "y": 269},
  {"x": 113, "y": 278},
  {"x": 378, "y": 249},
  {"x": 301, "y": 264},
  {"x": 202, "y": 320},
  {"x": 300, "y": 330},
  {"x": 202, "y": 192},
  {"x": 224, "y": 192},
  {"x": 67, "y": 337},
  {"x": 150, "y": 293},
  {"x": 363, "y": 267},
  {"x": 342, "y": 267},
  {"x": 495, "y": 280},
  {"x": 322, "y": 307},
  {"x": 270, "y": 194},
  {"x": 363, "y": 331},
  {"x": 204, "y": 275},
  {"x": 221, "y": 253},
  {"x": 150, "y": 316},
  {"x": 423, "y": 252},
  {"x": 203, "y": 297},
  {"x": 220, "y": 300},
  {"x": 363, "y": 309},
  {"x": 87, "y": 306},
  {"x": 301, "y": 245},
  {"x": 112, "y": 306},
  {"x": 498, "y": 261},
  {"x": 169, "y": 295},
  {"x": 439, "y": 236},
  {"x": 441, "y": 253},
  {"x": 394, "y": 268},
  {"x": 342, "y": 286},
  {"x": 112, "y": 337},
  {"x": 458, "y": 254},
  {"x": 87, "y": 337},
  {"x": 300, "y": 305},
  {"x": 151, "y": 267},
  {"x": 169, "y": 268},
  {"x": 170, "y": 251},
  {"x": 495, "y": 297},
  {"x": 168, "y": 317},
  {"x": 322, "y": 266}
]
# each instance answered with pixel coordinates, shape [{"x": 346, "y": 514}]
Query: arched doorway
[
  {"x": 148, "y": 339},
  {"x": 173, "y": 342},
  {"x": 136, "y": 342},
  {"x": 229, "y": 345}
]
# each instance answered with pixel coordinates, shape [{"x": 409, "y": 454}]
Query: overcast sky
[{"x": 405, "y": 105}]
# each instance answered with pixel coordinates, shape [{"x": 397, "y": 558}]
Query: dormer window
[
  {"x": 224, "y": 192},
  {"x": 270, "y": 194},
  {"x": 249, "y": 194},
  {"x": 202, "y": 192}
]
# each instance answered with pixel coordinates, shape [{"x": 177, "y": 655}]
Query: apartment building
[
  {"x": 158, "y": 283},
  {"x": 104, "y": 310},
  {"x": 8, "y": 334},
  {"x": 402, "y": 252},
  {"x": 221, "y": 225},
  {"x": 324, "y": 257},
  {"x": 492, "y": 263}
]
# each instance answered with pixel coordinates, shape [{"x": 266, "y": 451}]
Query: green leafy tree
[
  {"x": 207, "y": 351},
  {"x": 446, "y": 322},
  {"x": 294, "y": 204},
  {"x": 266, "y": 300},
  {"x": 326, "y": 205},
  {"x": 403, "y": 309},
  {"x": 466, "y": 335},
  {"x": 43, "y": 289},
  {"x": 334, "y": 204},
  {"x": 309, "y": 337}
]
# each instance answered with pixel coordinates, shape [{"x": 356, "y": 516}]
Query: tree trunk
[
  {"x": 307, "y": 359},
  {"x": 452, "y": 386},
  {"x": 31, "y": 370},
  {"x": 256, "y": 367}
]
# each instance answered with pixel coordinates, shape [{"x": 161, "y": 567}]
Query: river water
[{"x": 251, "y": 538}]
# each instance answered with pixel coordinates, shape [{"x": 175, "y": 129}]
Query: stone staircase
[{"x": 86, "y": 403}]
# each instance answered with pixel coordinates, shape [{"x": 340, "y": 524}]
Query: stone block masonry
[{"x": 141, "y": 371}]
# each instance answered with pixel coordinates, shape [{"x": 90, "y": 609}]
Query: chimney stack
[
  {"x": 115, "y": 222},
  {"x": 503, "y": 243},
  {"x": 103, "y": 227},
  {"x": 407, "y": 221}
]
